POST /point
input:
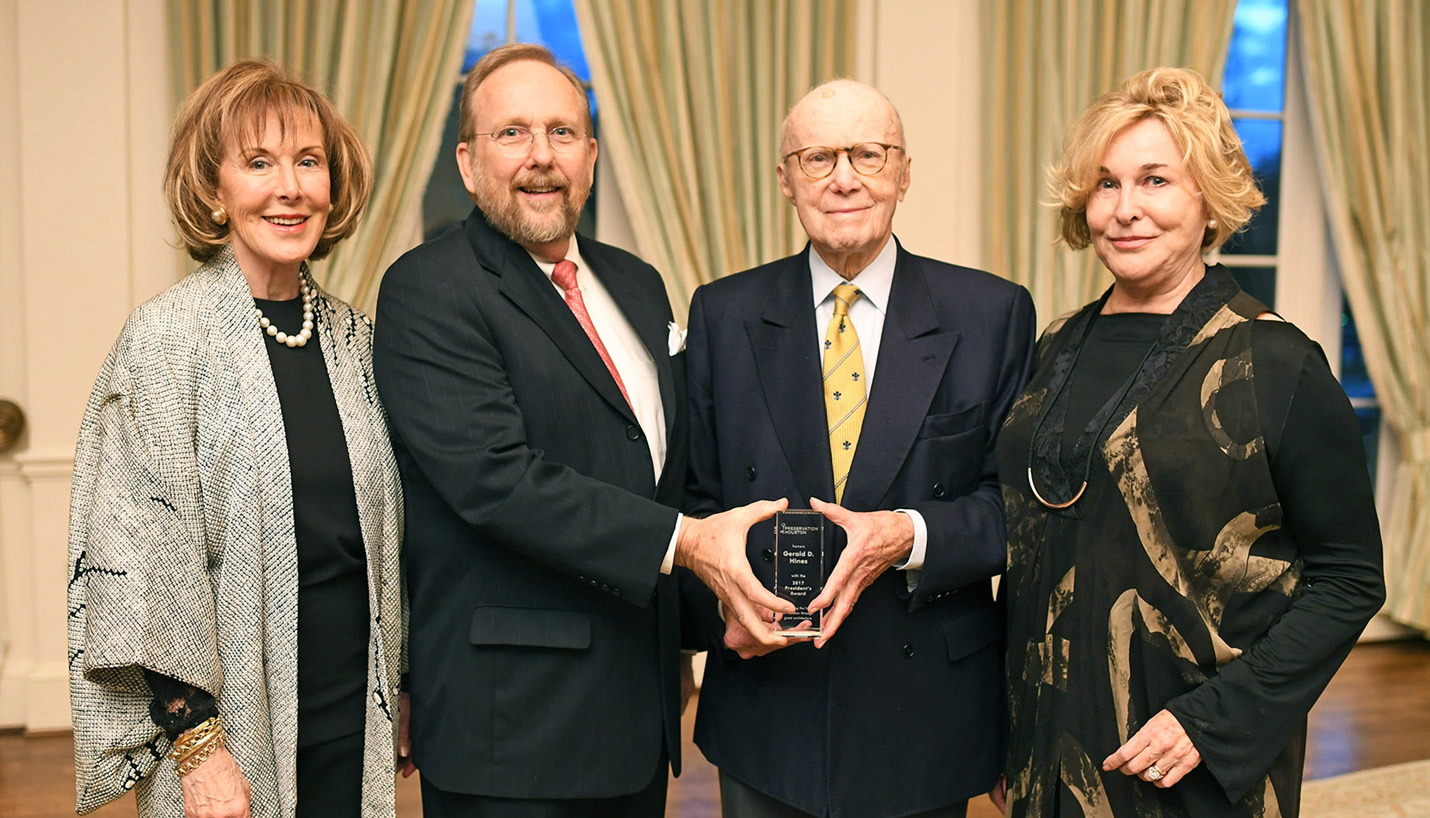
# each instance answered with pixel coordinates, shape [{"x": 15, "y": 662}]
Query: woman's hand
[
  {"x": 216, "y": 788},
  {"x": 1159, "y": 753},
  {"x": 405, "y": 764},
  {"x": 999, "y": 795}
]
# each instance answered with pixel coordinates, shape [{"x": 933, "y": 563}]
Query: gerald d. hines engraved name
[{"x": 799, "y": 566}]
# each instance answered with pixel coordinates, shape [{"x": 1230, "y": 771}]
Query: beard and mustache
[{"x": 551, "y": 222}]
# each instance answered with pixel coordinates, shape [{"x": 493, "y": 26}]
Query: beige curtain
[
  {"x": 1047, "y": 61},
  {"x": 389, "y": 67},
  {"x": 1367, "y": 67},
  {"x": 691, "y": 98}
]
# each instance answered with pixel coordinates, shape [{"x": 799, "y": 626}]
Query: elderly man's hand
[
  {"x": 878, "y": 540},
  {"x": 740, "y": 640},
  {"x": 1161, "y": 744},
  {"x": 714, "y": 549},
  {"x": 216, "y": 788}
]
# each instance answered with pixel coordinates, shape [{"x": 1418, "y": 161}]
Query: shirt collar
[
  {"x": 573, "y": 255},
  {"x": 874, "y": 281}
]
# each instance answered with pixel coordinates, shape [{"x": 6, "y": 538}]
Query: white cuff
[
  {"x": 668, "y": 564},
  {"x": 913, "y": 566},
  {"x": 915, "y": 562}
]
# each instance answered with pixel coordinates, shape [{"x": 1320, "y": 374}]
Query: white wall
[
  {"x": 85, "y": 104},
  {"x": 927, "y": 58}
]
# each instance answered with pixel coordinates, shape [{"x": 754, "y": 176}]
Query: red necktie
[{"x": 565, "y": 277}]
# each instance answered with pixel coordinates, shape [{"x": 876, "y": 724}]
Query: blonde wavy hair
[
  {"x": 231, "y": 109},
  {"x": 1201, "y": 128}
]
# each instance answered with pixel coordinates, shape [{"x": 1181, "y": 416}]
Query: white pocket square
[{"x": 675, "y": 342}]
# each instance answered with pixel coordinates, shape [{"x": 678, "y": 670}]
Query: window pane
[
  {"x": 1355, "y": 378},
  {"x": 1255, "y": 78},
  {"x": 487, "y": 32},
  {"x": 553, "y": 24},
  {"x": 1259, "y": 283},
  {"x": 1262, "y": 140}
]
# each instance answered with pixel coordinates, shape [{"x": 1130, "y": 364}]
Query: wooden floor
[{"x": 1376, "y": 712}]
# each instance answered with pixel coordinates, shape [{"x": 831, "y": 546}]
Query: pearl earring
[
  {"x": 220, "y": 216},
  {"x": 1211, "y": 225}
]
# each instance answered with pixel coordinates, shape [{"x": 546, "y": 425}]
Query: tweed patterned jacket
[{"x": 182, "y": 557}]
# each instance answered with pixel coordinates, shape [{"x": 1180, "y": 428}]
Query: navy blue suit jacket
[
  {"x": 544, "y": 642},
  {"x": 903, "y": 710}
]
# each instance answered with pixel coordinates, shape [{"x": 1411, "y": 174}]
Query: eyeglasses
[
  {"x": 866, "y": 158},
  {"x": 516, "y": 140}
]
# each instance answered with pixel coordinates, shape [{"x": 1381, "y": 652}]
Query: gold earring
[{"x": 219, "y": 215}]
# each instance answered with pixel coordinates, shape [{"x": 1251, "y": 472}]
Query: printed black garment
[{"x": 1219, "y": 563}]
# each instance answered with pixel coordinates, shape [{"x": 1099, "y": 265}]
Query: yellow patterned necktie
[{"x": 844, "y": 386}]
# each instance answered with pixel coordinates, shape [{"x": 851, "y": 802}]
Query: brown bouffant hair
[
  {"x": 1200, "y": 126},
  {"x": 231, "y": 109},
  {"x": 505, "y": 55}
]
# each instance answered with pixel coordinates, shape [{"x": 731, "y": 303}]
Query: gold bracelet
[
  {"x": 194, "y": 735},
  {"x": 192, "y": 762},
  {"x": 212, "y": 738}
]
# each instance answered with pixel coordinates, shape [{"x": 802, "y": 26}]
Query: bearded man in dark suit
[
  {"x": 868, "y": 383},
  {"x": 536, "y": 407}
]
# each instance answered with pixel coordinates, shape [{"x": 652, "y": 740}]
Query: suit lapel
[
  {"x": 913, "y": 355},
  {"x": 786, "y": 352},
  {"x": 523, "y": 283}
]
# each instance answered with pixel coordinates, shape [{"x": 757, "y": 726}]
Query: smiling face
[
  {"x": 535, "y": 198},
  {"x": 277, "y": 196},
  {"x": 1146, "y": 215},
  {"x": 847, "y": 215}
]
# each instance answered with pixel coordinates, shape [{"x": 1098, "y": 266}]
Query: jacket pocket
[
  {"x": 531, "y": 627},
  {"x": 952, "y": 423},
  {"x": 972, "y": 632}
]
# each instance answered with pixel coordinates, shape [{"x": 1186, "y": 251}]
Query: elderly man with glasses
[
  {"x": 868, "y": 384},
  {"x": 537, "y": 413}
]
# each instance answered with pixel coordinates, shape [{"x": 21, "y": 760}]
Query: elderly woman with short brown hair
[
  {"x": 1193, "y": 545},
  {"x": 235, "y": 606}
]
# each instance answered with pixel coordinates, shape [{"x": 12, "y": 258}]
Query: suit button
[
  {"x": 605, "y": 587},
  {"x": 939, "y": 491},
  {"x": 616, "y": 591},
  {"x": 750, "y": 472},
  {"x": 768, "y": 555},
  {"x": 909, "y": 650},
  {"x": 633, "y": 432}
]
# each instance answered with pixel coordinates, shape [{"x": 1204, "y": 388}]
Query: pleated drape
[
  {"x": 692, "y": 94},
  {"x": 1367, "y": 67},
  {"x": 1047, "y": 61},
  {"x": 389, "y": 67}
]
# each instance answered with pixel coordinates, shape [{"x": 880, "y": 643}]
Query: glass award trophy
[{"x": 799, "y": 569}]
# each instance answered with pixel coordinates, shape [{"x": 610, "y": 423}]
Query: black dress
[
  {"x": 1220, "y": 562},
  {"x": 333, "y": 622}
]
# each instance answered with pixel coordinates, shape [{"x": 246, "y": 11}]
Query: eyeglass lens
[
  {"x": 867, "y": 158},
  {"x": 515, "y": 139}
]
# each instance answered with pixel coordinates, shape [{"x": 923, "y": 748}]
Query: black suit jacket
[
  {"x": 543, "y": 639},
  {"x": 903, "y": 710}
]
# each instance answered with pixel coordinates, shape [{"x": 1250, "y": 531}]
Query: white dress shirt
[
  {"x": 867, "y": 313},
  {"x": 631, "y": 358}
]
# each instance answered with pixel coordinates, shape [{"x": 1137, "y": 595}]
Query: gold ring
[{"x": 1154, "y": 773}]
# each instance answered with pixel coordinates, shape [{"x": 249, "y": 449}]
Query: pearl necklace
[{"x": 300, "y": 339}]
